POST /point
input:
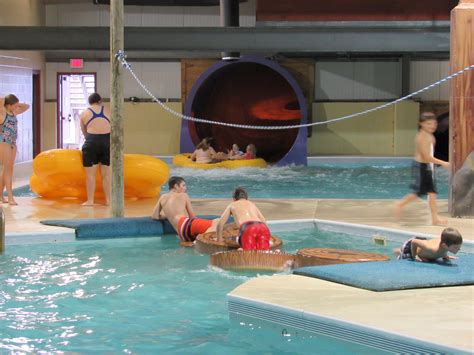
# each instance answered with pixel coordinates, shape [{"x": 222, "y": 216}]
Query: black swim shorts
[
  {"x": 96, "y": 150},
  {"x": 422, "y": 179}
]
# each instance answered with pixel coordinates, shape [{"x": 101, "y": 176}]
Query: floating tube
[
  {"x": 329, "y": 256},
  {"x": 261, "y": 260},
  {"x": 184, "y": 160},
  {"x": 207, "y": 243},
  {"x": 250, "y": 91},
  {"x": 58, "y": 173}
]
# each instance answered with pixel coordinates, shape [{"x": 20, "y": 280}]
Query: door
[{"x": 73, "y": 92}]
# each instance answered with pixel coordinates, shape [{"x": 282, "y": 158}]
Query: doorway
[
  {"x": 36, "y": 111},
  {"x": 73, "y": 92}
]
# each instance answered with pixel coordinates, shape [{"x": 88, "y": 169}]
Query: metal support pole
[
  {"x": 405, "y": 64},
  {"x": 116, "y": 108},
  {"x": 229, "y": 10}
]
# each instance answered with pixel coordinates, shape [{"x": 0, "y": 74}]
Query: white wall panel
[
  {"x": 134, "y": 16},
  {"x": 163, "y": 16},
  {"x": 334, "y": 80},
  {"x": 357, "y": 80},
  {"x": 387, "y": 81},
  {"x": 88, "y": 14},
  {"x": 424, "y": 73},
  {"x": 162, "y": 78},
  {"x": 363, "y": 81},
  {"x": 77, "y": 14},
  {"x": 444, "y": 70},
  {"x": 205, "y": 16}
]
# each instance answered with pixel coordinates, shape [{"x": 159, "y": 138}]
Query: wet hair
[
  {"x": 204, "y": 144},
  {"x": 426, "y": 116},
  {"x": 253, "y": 149},
  {"x": 94, "y": 98},
  {"x": 451, "y": 236},
  {"x": 10, "y": 99},
  {"x": 239, "y": 194},
  {"x": 174, "y": 180}
]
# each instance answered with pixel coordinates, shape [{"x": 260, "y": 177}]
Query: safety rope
[{"x": 120, "y": 55}]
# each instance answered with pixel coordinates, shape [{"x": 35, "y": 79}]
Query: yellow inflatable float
[
  {"x": 59, "y": 173},
  {"x": 184, "y": 160}
]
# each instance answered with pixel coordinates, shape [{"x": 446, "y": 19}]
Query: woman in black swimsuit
[{"x": 95, "y": 125}]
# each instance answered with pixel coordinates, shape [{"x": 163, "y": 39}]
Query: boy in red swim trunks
[
  {"x": 176, "y": 207},
  {"x": 253, "y": 231}
]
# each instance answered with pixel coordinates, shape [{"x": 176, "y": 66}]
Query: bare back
[
  {"x": 98, "y": 125},
  {"x": 172, "y": 206},
  {"x": 429, "y": 250},
  {"x": 244, "y": 211}
]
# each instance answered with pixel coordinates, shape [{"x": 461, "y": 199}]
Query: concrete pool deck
[
  {"x": 25, "y": 217},
  {"x": 438, "y": 315}
]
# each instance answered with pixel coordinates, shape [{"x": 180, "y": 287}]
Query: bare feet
[
  {"x": 4, "y": 200},
  {"x": 88, "y": 204},
  {"x": 12, "y": 202},
  {"x": 439, "y": 222},
  {"x": 187, "y": 244}
]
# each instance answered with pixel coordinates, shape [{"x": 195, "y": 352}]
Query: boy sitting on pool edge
[{"x": 419, "y": 249}]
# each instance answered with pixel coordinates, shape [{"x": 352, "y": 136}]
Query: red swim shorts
[
  {"x": 190, "y": 228},
  {"x": 254, "y": 236}
]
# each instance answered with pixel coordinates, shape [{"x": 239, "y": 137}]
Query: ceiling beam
[{"x": 332, "y": 39}]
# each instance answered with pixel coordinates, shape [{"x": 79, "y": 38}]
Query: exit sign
[{"x": 76, "y": 63}]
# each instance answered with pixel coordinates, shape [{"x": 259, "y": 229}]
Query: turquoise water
[
  {"x": 357, "y": 180},
  {"x": 139, "y": 295},
  {"x": 345, "y": 181}
]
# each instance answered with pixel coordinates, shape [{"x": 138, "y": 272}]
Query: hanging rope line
[{"x": 120, "y": 55}]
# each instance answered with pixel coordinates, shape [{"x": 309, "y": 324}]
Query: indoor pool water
[
  {"x": 357, "y": 180},
  {"x": 140, "y": 295},
  {"x": 323, "y": 180}
]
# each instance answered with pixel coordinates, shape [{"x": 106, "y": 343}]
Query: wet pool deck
[
  {"x": 438, "y": 315},
  {"x": 26, "y": 216}
]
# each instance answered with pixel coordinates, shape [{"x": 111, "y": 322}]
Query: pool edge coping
[{"x": 315, "y": 317}]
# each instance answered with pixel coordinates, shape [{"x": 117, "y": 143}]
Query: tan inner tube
[
  {"x": 207, "y": 243},
  {"x": 327, "y": 256},
  {"x": 257, "y": 260}
]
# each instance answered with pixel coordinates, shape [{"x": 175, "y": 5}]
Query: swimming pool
[
  {"x": 139, "y": 295},
  {"x": 364, "y": 179},
  {"x": 323, "y": 178}
]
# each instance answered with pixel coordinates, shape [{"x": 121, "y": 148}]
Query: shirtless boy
[
  {"x": 176, "y": 207},
  {"x": 423, "y": 181},
  {"x": 253, "y": 231},
  {"x": 430, "y": 250}
]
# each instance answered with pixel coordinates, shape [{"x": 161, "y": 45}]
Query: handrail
[{"x": 2, "y": 230}]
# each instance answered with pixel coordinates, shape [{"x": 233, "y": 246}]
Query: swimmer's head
[
  {"x": 10, "y": 100},
  {"x": 252, "y": 149},
  {"x": 452, "y": 239},
  {"x": 240, "y": 194},
  {"x": 94, "y": 98},
  {"x": 428, "y": 122},
  {"x": 177, "y": 183}
]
